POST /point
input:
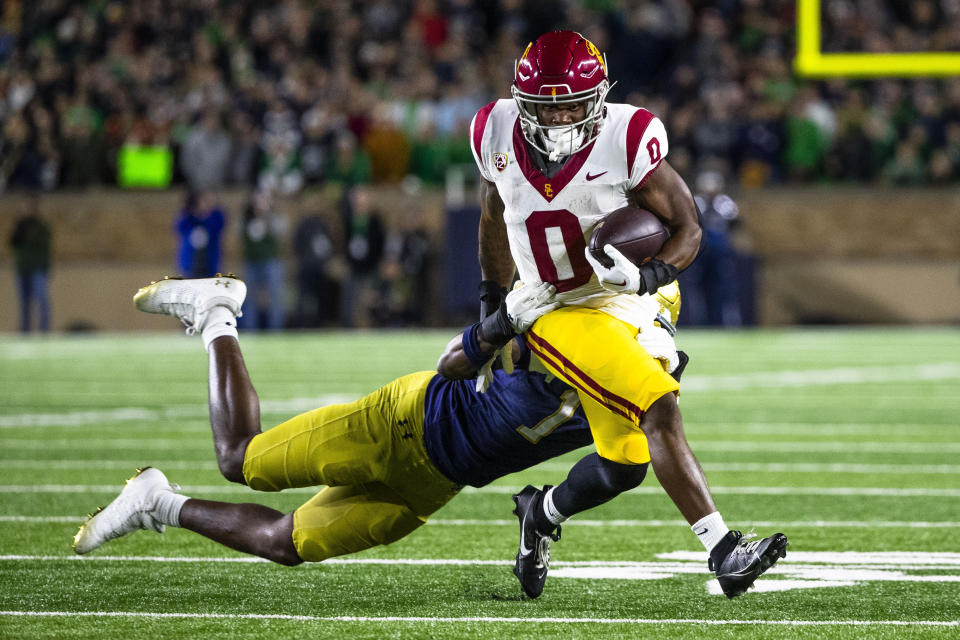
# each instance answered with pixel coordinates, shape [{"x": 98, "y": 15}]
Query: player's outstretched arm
[
  {"x": 454, "y": 363},
  {"x": 667, "y": 195},
  {"x": 470, "y": 350}
]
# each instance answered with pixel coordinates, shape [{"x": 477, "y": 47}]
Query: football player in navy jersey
[{"x": 388, "y": 460}]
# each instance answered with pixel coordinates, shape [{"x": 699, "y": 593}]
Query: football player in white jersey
[{"x": 554, "y": 160}]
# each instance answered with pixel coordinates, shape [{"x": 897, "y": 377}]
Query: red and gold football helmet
[{"x": 560, "y": 67}]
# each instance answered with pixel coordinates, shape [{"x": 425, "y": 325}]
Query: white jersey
[{"x": 550, "y": 220}]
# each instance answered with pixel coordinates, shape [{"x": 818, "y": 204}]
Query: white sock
[
  {"x": 550, "y": 510},
  {"x": 710, "y": 529},
  {"x": 167, "y": 508},
  {"x": 220, "y": 321}
]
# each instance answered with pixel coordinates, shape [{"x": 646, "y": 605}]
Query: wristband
[
  {"x": 492, "y": 294},
  {"x": 471, "y": 347},
  {"x": 496, "y": 328}
]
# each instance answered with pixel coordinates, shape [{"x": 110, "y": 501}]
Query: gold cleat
[
  {"x": 130, "y": 511},
  {"x": 190, "y": 300}
]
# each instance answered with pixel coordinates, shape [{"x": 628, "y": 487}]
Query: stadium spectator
[
  {"x": 199, "y": 228},
  {"x": 313, "y": 248},
  {"x": 108, "y": 73},
  {"x": 245, "y": 154},
  {"x": 263, "y": 270},
  {"x": 30, "y": 242},
  {"x": 364, "y": 241},
  {"x": 206, "y": 154},
  {"x": 280, "y": 169},
  {"x": 406, "y": 271},
  {"x": 711, "y": 284},
  {"x": 349, "y": 164}
]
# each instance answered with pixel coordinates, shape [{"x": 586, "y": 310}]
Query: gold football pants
[
  {"x": 380, "y": 483},
  {"x": 616, "y": 378}
]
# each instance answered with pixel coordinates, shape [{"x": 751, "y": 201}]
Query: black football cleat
[
  {"x": 533, "y": 558},
  {"x": 747, "y": 561}
]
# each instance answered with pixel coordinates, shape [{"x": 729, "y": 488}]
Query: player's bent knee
[
  {"x": 618, "y": 477},
  {"x": 230, "y": 460},
  {"x": 281, "y": 548}
]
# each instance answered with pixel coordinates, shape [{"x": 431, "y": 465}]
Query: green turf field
[{"x": 847, "y": 440}]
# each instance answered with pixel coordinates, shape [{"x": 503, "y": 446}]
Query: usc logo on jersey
[{"x": 548, "y": 190}]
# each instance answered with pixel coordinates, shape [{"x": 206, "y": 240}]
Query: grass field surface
[{"x": 846, "y": 440}]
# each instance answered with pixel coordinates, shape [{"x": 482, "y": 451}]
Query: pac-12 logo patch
[{"x": 500, "y": 161}]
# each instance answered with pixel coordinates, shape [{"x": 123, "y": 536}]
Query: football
[{"x": 637, "y": 233}]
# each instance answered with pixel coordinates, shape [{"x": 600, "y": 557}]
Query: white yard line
[
  {"x": 824, "y": 446},
  {"x": 684, "y": 561},
  {"x": 111, "y": 465},
  {"x": 769, "y": 467},
  {"x": 692, "y": 384},
  {"x": 822, "y": 377},
  {"x": 84, "y": 443},
  {"x": 798, "y": 467},
  {"x": 831, "y": 524},
  {"x": 142, "y": 414},
  {"x": 492, "y": 619},
  {"x": 499, "y": 489},
  {"x": 512, "y": 522}
]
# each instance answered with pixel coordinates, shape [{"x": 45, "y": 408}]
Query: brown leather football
[{"x": 637, "y": 233}]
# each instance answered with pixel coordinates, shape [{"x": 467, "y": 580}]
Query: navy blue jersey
[{"x": 474, "y": 438}]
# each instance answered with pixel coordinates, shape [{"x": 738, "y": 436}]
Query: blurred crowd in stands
[
  {"x": 286, "y": 94},
  {"x": 367, "y": 275}
]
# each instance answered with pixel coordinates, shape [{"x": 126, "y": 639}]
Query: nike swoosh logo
[
  {"x": 619, "y": 284},
  {"x": 702, "y": 531},
  {"x": 590, "y": 177},
  {"x": 524, "y": 551}
]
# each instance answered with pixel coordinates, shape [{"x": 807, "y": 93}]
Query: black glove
[
  {"x": 491, "y": 295},
  {"x": 654, "y": 274}
]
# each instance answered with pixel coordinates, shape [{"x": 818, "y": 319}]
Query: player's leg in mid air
[
  {"x": 208, "y": 307},
  {"x": 150, "y": 501},
  {"x": 634, "y": 417},
  {"x": 372, "y": 448}
]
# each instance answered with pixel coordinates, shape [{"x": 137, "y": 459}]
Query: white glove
[
  {"x": 622, "y": 277},
  {"x": 528, "y": 302},
  {"x": 659, "y": 343},
  {"x": 485, "y": 374}
]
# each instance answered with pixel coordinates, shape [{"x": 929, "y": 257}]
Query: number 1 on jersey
[{"x": 546, "y": 426}]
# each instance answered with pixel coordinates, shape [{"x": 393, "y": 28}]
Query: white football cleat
[
  {"x": 190, "y": 301},
  {"x": 130, "y": 511}
]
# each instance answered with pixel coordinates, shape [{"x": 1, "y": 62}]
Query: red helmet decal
[{"x": 561, "y": 60}]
